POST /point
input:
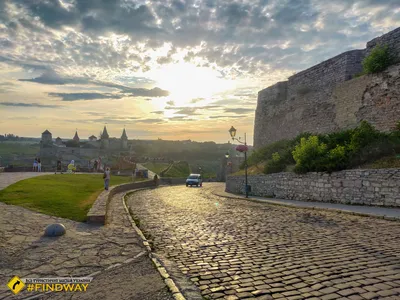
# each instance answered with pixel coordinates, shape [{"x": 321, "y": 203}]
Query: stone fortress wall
[{"x": 327, "y": 97}]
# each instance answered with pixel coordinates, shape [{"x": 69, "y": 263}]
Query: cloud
[
  {"x": 239, "y": 111},
  {"x": 15, "y": 104},
  {"x": 150, "y": 121},
  {"x": 180, "y": 118},
  {"x": 171, "y": 103},
  {"x": 195, "y": 100},
  {"x": 84, "y": 96},
  {"x": 158, "y": 112},
  {"x": 191, "y": 111},
  {"x": 53, "y": 78}
]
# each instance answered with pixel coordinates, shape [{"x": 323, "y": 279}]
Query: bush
[
  {"x": 363, "y": 135},
  {"x": 378, "y": 60},
  {"x": 330, "y": 152},
  {"x": 308, "y": 154},
  {"x": 265, "y": 153},
  {"x": 275, "y": 165}
]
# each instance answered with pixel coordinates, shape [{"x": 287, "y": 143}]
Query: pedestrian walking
[
  {"x": 58, "y": 167},
  {"x": 35, "y": 164},
  {"x": 106, "y": 177},
  {"x": 95, "y": 166},
  {"x": 155, "y": 180},
  {"x": 39, "y": 165}
]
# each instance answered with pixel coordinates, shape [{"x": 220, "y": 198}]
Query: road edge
[{"x": 169, "y": 282}]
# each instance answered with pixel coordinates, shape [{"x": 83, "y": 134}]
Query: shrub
[
  {"x": 308, "y": 154},
  {"x": 265, "y": 153},
  {"x": 397, "y": 127},
  {"x": 362, "y": 136},
  {"x": 337, "y": 159},
  {"x": 378, "y": 60},
  {"x": 275, "y": 165}
]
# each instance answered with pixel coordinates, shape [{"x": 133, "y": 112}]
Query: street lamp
[{"x": 241, "y": 148}]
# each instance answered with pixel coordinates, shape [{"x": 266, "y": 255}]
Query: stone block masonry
[
  {"x": 327, "y": 97},
  {"x": 379, "y": 187}
]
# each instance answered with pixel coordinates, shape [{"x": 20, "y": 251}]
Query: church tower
[
  {"x": 105, "y": 142},
  {"x": 76, "y": 137},
  {"x": 124, "y": 140}
]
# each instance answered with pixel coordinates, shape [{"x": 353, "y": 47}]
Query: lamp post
[{"x": 244, "y": 149}]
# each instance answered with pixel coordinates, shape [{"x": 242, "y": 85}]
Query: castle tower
[
  {"x": 76, "y": 137},
  {"x": 105, "y": 143},
  {"x": 124, "y": 140},
  {"x": 47, "y": 138}
]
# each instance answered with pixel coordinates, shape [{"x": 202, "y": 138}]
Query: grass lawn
[{"x": 68, "y": 196}]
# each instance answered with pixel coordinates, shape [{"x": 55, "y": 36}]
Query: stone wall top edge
[
  {"x": 325, "y": 62},
  {"x": 351, "y": 171},
  {"x": 273, "y": 86},
  {"x": 395, "y": 32}
]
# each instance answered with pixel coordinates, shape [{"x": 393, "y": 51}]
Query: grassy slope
[
  {"x": 156, "y": 167},
  {"x": 180, "y": 169},
  {"x": 69, "y": 195}
]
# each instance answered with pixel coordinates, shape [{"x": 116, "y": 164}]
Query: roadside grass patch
[{"x": 68, "y": 196}]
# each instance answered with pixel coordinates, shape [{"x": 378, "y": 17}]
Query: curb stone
[
  {"x": 266, "y": 201},
  {"x": 170, "y": 283}
]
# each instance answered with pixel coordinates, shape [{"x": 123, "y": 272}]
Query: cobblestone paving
[
  {"x": 83, "y": 250},
  {"x": 238, "y": 249}
]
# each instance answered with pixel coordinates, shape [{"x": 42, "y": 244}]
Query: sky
[{"x": 169, "y": 69}]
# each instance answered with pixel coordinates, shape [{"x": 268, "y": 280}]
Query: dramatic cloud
[
  {"x": 150, "y": 121},
  {"x": 239, "y": 111},
  {"x": 84, "y": 96},
  {"x": 53, "y": 78},
  {"x": 28, "y": 105},
  {"x": 200, "y": 57}
]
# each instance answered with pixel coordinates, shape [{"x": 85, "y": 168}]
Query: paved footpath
[
  {"x": 113, "y": 253},
  {"x": 235, "y": 249},
  {"x": 8, "y": 178},
  {"x": 375, "y": 211}
]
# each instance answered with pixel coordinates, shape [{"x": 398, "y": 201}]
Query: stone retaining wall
[
  {"x": 364, "y": 187},
  {"x": 98, "y": 211},
  {"x": 172, "y": 180}
]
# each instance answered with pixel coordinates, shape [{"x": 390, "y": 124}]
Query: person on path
[
  {"x": 106, "y": 177},
  {"x": 39, "y": 165},
  {"x": 35, "y": 164},
  {"x": 95, "y": 166},
  {"x": 155, "y": 180},
  {"x": 59, "y": 167}
]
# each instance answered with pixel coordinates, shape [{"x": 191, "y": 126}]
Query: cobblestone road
[{"x": 238, "y": 249}]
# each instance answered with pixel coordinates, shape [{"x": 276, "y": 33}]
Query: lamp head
[
  {"x": 232, "y": 132},
  {"x": 227, "y": 155}
]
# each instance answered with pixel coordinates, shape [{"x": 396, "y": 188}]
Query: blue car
[{"x": 194, "y": 179}]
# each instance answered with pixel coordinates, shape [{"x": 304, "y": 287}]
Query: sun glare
[{"x": 185, "y": 81}]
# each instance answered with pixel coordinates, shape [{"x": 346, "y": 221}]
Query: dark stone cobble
[{"x": 238, "y": 249}]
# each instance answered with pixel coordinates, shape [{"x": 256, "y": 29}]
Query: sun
[{"x": 186, "y": 81}]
